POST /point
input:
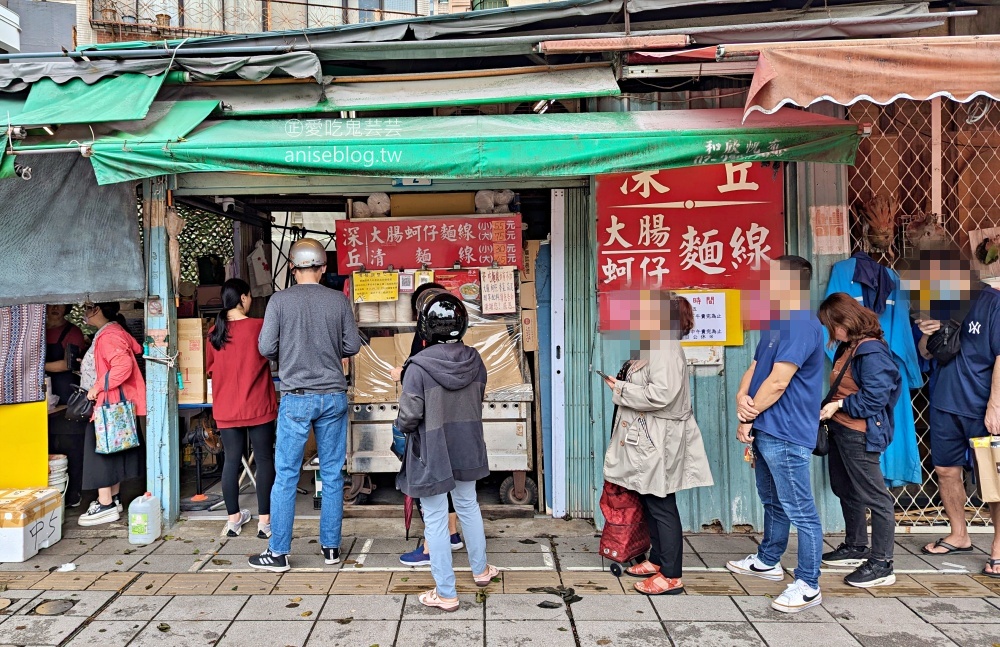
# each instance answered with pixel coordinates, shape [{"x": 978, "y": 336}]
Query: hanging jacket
[
  {"x": 901, "y": 459},
  {"x": 875, "y": 373},
  {"x": 441, "y": 411},
  {"x": 876, "y": 282},
  {"x": 656, "y": 446}
]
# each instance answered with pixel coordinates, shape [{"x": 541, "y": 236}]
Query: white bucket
[
  {"x": 58, "y": 463},
  {"x": 58, "y": 476}
]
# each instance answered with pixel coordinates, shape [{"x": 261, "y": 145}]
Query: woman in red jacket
[
  {"x": 244, "y": 403},
  {"x": 108, "y": 371}
]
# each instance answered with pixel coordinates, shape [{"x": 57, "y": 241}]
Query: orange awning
[{"x": 879, "y": 70}]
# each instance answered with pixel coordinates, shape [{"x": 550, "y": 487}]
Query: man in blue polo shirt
[
  {"x": 778, "y": 406},
  {"x": 966, "y": 404}
]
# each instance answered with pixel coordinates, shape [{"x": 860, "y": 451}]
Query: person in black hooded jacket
[
  {"x": 420, "y": 556},
  {"x": 441, "y": 415}
]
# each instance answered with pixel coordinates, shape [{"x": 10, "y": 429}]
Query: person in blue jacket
[
  {"x": 865, "y": 386},
  {"x": 877, "y": 289}
]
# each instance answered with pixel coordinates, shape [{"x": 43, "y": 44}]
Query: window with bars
[{"x": 935, "y": 165}]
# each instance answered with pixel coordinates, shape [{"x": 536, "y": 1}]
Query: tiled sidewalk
[{"x": 195, "y": 589}]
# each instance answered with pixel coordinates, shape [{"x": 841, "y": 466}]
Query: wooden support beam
[
  {"x": 620, "y": 44},
  {"x": 162, "y": 440}
]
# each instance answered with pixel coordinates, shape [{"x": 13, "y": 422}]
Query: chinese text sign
[
  {"x": 705, "y": 226},
  {"x": 498, "y": 293},
  {"x": 435, "y": 243},
  {"x": 372, "y": 287}
]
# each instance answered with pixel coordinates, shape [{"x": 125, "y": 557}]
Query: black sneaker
[
  {"x": 331, "y": 555},
  {"x": 872, "y": 573},
  {"x": 846, "y": 556},
  {"x": 268, "y": 561}
]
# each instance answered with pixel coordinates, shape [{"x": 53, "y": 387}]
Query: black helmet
[{"x": 443, "y": 317}]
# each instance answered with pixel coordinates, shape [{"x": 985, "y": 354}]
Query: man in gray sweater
[{"x": 309, "y": 329}]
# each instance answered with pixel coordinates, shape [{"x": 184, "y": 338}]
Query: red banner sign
[
  {"x": 436, "y": 243},
  {"x": 703, "y": 226}
]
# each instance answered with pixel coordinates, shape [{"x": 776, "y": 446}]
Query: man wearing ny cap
[{"x": 309, "y": 329}]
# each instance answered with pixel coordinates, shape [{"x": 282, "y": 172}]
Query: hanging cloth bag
[{"x": 115, "y": 424}]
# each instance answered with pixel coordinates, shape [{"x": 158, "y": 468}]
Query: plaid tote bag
[{"x": 115, "y": 424}]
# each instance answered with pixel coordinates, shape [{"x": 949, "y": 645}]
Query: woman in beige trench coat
[{"x": 656, "y": 448}]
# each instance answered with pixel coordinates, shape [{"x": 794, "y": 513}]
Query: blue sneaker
[
  {"x": 456, "y": 542},
  {"x": 416, "y": 557}
]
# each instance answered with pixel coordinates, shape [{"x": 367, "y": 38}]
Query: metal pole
[
  {"x": 936, "y": 201},
  {"x": 190, "y": 50}
]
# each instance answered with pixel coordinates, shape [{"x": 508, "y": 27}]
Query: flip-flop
[
  {"x": 994, "y": 563},
  {"x": 941, "y": 543}
]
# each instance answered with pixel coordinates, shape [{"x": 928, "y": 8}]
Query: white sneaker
[
  {"x": 233, "y": 529},
  {"x": 98, "y": 514},
  {"x": 750, "y": 565},
  {"x": 799, "y": 596}
]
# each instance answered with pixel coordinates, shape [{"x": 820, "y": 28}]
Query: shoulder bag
[
  {"x": 78, "y": 407},
  {"x": 823, "y": 434},
  {"x": 115, "y": 424},
  {"x": 945, "y": 344}
]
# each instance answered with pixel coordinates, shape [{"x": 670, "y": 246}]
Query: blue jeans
[
  {"x": 327, "y": 415},
  {"x": 439, "y": 542},
  {"x": 785, "y": 489}
]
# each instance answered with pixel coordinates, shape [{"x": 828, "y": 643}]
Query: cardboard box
[
  {"x": 209, "y": 295},
  {"x": 30, "y": 520},
  {"x": 403, "y": 341},
  {"x": 529, "y": 299},
  {"x": 529, "y": 330},
  {"x": 530, "y": 260},
  {"x": 408, "y": 205},
  {"x": 191, "y": 361},
  {"x": 372, "y": 379},
  {"x": 500, "y": 354}
]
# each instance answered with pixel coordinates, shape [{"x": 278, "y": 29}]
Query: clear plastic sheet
[
  {"x": 372, "y": 372},
  {"x": 499, "y": 344}
]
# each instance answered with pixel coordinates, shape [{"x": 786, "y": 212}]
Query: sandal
[
  {"x": 659, "y": 585},
  {"x": 949, "y": 549},
  {"x": 432, "y": 599},
  {"x": 644, "y": 569},
  {"x": 993, "y": 563},
  {"x": 483, "y": 579}
]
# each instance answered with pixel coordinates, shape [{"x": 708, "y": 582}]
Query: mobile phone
[{"x": 602, "y": 374}]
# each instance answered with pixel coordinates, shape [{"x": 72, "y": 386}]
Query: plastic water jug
[{"x": 144, "y": 520}]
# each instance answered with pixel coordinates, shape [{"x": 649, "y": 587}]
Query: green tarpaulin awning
[
  {"x": 121, "y": 98},
  {"x": 474, "y": 90},
  {"x": 166, "y": 121},
  {"x": 508, "y": 146}
]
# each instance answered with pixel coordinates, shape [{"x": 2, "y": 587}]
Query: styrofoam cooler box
[{"x": 30, "y": 520}]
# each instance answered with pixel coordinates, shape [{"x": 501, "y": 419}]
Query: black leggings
[{"x": 234, "y": 442}]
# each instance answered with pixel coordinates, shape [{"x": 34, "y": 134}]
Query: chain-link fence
[{"x": 921, "y": 174}]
